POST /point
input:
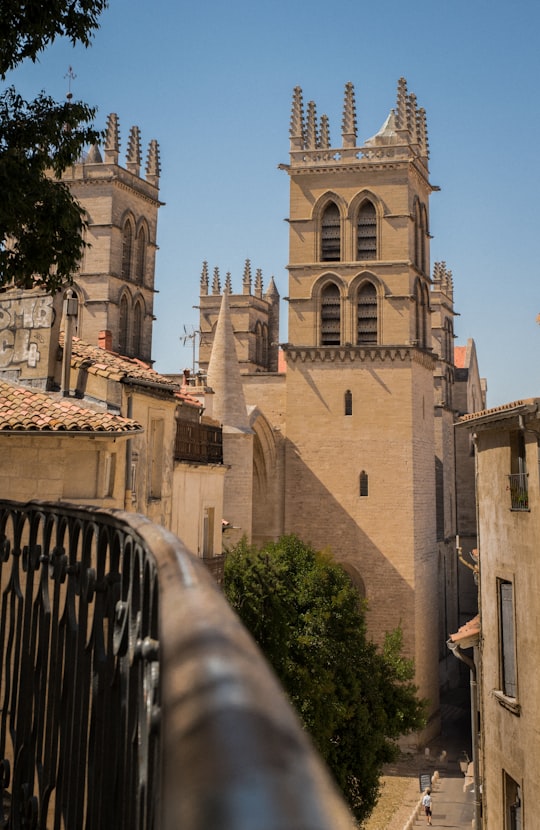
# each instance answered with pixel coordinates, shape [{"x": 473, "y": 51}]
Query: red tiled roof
[
  {"x": 98, "y": 361},
  {"x": 504, "y": 409},
  {"x": 27, "y": 410}
]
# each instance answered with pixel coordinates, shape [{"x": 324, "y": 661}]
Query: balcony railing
[
  {"x": 131, "y": 697},
  {"x": 519, "y": 491},
  {"x": 198, "y": 443}
]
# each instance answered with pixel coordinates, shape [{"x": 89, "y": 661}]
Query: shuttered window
[
  {"x": 366, "y": 232},
  {"x": 331, "y": 234},
  {"x": 508, "y": 643},
  {"x": 330, "y": 316},
  {"x": 367, "y": 330}
]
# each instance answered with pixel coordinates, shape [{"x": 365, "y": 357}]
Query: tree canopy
[
  {"x": 41, "y": 224},
  {"x": 354, "y": 698}
]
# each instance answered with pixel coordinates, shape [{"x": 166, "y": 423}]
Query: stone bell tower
[
  {"x": 115, "y": 282},
  {"x": 360, "y": 366}
]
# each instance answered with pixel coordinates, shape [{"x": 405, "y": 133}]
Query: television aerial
[{"x": 190, "y": 334}]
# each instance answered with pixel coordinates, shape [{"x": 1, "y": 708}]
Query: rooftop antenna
[{"x": 190, "y": 334}]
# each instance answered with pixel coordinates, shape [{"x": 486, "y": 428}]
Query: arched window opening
[
  {"x": 137, "y": 329},
  {"x": 127, "y": 250},
  {"x": 330, "y": 316},
  {"x": 258, "y": 344},
  {"x": 366, "y": 232},
  {"x": 331, "y": 234},
  {"x": 367, "y": 327},
  {"x": 348, "y": 402},
  {"x": 141, "y": 256},
  {"x": 422, "y": 309},
  {"x": 265, "y": 346},
  {"x": 364, "y": 485},
  {"x": 424, "y": 234},
  {"x": 123, "y": 326},
  {"x": 417, "y": 235}
]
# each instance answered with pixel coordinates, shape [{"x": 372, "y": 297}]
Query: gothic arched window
[
  {"x": 330, "y": 315},
  {"x": 331, "y": 234},
  {"x": 366, "y": 231},
  {"x": 123, "y": 325},
  {"x": 127, "y": 250},
  {"x": 422, "y": 311},
  {"x": 367, "y": 316},
  {"x": 138, "y": 316},
  {"x": 141, "y": 256}
]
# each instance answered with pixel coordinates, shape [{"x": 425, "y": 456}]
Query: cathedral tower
[
  {"x": 360, "y": 471},
  {"x": 115, "y": 282}
]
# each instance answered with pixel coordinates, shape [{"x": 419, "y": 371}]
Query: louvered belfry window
[
  {"x": 330, "y": 316},
  {"x": 367, "y": 315},
  {"x": 331, "y": 234},
  {"x": 366, "y": 232}
]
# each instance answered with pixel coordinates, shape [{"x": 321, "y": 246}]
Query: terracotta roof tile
[
  {"x": 467, "y": 635},
  {"x": 98, "y": 361},
  {"x": 26, "y": 410}
]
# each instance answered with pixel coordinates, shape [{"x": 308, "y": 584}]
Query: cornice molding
[{"x": 361, "y": 354}]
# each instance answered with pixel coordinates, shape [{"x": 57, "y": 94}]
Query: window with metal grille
[
  {"x": 331, "y": 234},
  {"x": 330, "y": 315},
  {"x": 507, "y": 638},
  {"x": 348, "y": 402},
  {"x": 366, "y": 232},
  {"x": 364, "y": 488},
  {"x": 367, "y": 323}
]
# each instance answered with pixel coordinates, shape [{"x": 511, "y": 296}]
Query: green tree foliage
[
  {"x": 354, "y": 699},
  {"x": 41, "y": 224}
]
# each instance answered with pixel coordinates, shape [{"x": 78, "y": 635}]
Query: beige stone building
[
  {"x": 353, "y": 432},
  {"x": 508, "y": 495}
]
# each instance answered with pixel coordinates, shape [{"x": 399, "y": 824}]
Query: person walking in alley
[{"x": 426, "y": 804}]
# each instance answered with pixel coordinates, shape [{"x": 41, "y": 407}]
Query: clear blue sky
[{"x": 212, "y": 82}]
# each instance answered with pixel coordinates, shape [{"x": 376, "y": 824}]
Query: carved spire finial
[
  {"x": 401, "y": 105},
  {"x": 228, "y": 283},
  {"x": 312, "y": 138},
  {"x": 204, "y": 279},
  {"x": 246, "y": 279},
  {"x": 423, "y": 132},
  {"x": 413, "y": 118},
  {"x": 153, "y": 168},
  {"x": 296, "y": 132},
  {"x": 348, "y": 131},
  {"x": 133, "y": 161},
  {"x": 112, "y": 139},
  {"x": 258, "y": 283},
  {"x": 324, "y": 138},
  {"x": 216, "y": 285}
]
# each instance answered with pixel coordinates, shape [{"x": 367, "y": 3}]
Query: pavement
[{"x": 445, "y": 761}]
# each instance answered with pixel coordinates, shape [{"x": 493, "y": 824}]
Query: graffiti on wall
[{"x": 24, "y": 322}]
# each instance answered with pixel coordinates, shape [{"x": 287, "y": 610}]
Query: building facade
[
  {"x": 353, "y": 445},
  {"x": 507, "y": 443}
]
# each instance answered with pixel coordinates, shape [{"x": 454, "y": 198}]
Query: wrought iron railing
[
  {"x": 130, "y": 695},
  {"x": 519, "y": 491},
  {"x": 198, "y": 442}
]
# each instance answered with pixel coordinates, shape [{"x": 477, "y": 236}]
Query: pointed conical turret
[
  {"x": 348, "y": 131},
  {"x": 204, "y": 279},
  {"x": 133, "y": 161},
  {"x": 153, "y": 168},
  {"x": 112, "y": 139},
  {"x": 312, "y": 138},
  {"x": 246, "y": 279},
  {"x": 296, "y": 132},
  {"x": 229, "y": 405},
  {"x": 94, "y": 155}
]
